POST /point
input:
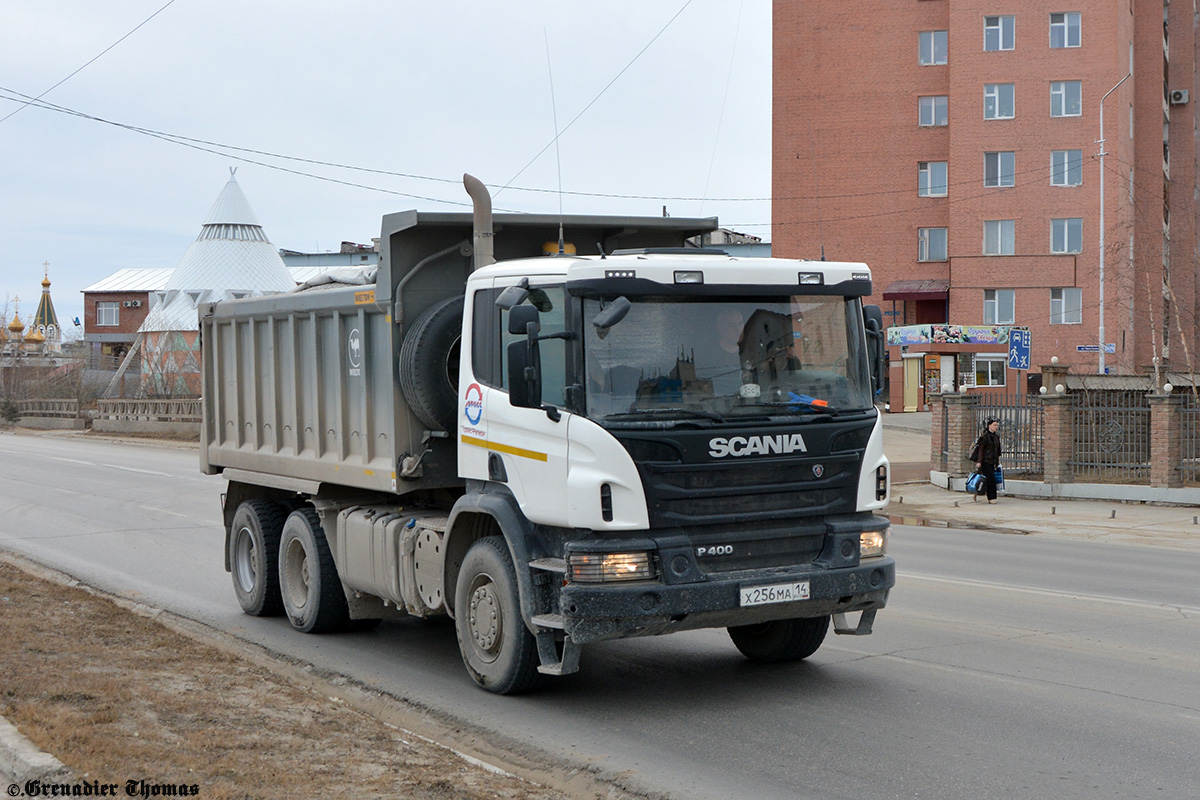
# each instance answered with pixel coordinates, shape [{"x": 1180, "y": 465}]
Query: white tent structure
[{"x": 232, "y": 257}]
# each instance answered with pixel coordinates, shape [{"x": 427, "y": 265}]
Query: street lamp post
[{"x": 1100, "y": 141}]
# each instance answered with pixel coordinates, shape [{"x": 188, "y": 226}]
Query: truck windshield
[{"x": 683, "y": 358}]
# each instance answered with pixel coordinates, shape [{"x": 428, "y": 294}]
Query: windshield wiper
[
  {"x": 797, "y": 401},
  {"x": 644, "y": 412}
]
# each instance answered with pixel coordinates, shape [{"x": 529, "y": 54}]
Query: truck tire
[
  {"x": 312, "y": 593},
  {"x": 429, "y": 364},
  {"x": 499, "y": 651},
  {"x": 254, "y": 556},
  {"x": 780, "y": 640}
]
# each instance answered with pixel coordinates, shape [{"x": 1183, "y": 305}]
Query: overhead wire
[
  {"x": 96, "y": 57},
  {"x": 724, "y": 99},
  {"x": 206, "y": 145},
  {"x": 607, "y": 86}
]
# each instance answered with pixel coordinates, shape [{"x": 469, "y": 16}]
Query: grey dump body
[{"x": 286, "y": 407}]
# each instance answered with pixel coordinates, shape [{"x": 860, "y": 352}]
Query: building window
[
  {"x": 989, "y": 370},
  {"x": 933, "y": 111},
  {"x": 998, "y": 33},
  {"x": 108, "y": 313},
  {"x": 1066, "y": 99},
  {"x": 932, "y": 244},
  {"x": 934, "y": 47},
  {"x": 999, "y": 169},
  {"x": 999, "y": 237},
  {"x": 1066, "y": 306},
  {"x": 998, "y": 101},
  {"x": 1066, "y": 167},
  {"x": 1066, "y": 235},
  {"x": 998, "y": 306},
  {"x": 1064, "y": 29},
  {"x": 931, "y": 178}
]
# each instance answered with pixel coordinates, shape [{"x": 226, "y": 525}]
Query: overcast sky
[{"x": 428, "y": 89}]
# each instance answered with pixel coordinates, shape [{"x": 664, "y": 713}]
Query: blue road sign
[{"x": 1018, "y": 348}]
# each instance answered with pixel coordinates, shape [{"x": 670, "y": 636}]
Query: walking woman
[{"x": 986, "y": 456}]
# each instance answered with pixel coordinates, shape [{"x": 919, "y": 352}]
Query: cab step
[
  {"x": 842, "y": 627},
  {"x": 552, "y": 663}
]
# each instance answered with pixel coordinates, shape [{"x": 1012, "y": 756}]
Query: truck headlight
[
  {"x": 873, "y": 543},
  {"x": 610, "y": 567}
]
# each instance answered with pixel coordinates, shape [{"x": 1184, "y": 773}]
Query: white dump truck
[{"x": 624, "y": 437}]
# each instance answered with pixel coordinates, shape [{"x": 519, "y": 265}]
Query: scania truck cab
[{"x": 670, "y": 440}]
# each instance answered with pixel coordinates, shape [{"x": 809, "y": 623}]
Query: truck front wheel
[
  {"x": 254, "y": 556},
  {"x": 312, "y": 593},
  {"x": 781, "y": 639},
  {"x": 497, "y": 647}
]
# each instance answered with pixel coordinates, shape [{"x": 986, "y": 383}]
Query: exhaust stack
[{"x": 482, "y": 234}]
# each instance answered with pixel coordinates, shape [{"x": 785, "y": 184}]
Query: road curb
[{"x": 21, "y": 760}]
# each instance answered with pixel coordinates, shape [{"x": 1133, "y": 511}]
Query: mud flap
[{"x": 842, "y": 627}]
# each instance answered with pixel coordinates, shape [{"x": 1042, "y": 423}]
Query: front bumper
[{"x": 593, "y": 612}]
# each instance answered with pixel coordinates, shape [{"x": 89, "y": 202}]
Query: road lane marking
[
  {"x": 1057, "y": 593},
  {"x": 72, "y": 461},
  {"x": 141, "y": 471}
]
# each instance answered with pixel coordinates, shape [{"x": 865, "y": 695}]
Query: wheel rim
[
  {"x": 295, "y": 568},
  {"x": 485, "y": 618},
  {"x": 245, "y": 559}
]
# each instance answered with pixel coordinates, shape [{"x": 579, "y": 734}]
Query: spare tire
[{"x": 428, "y": 365}]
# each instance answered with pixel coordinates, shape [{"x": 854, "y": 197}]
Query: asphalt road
[{"x": 1005, "y": 666}]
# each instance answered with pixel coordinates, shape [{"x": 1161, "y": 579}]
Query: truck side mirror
[
  {"x": 613, "y": 313},
  {"x": 525, "y": 374},
  {"x": 514, "y": 295},
  {"x": 521, "y": 317},
  {"x": 525, "y": 358},
  {"x": 873, "y": 320}
]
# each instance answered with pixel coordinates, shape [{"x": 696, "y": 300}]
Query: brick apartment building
[{"x": 952, "y": 145}]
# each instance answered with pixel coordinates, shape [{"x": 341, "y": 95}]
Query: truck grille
[{"x": 700, "y": 494}]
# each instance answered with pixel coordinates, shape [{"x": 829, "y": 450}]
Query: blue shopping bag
[
  {"x": 975, "y": 484},
  {"x": 999, "y": 479}
]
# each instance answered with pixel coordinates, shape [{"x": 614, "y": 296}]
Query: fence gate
[
  {"x": 1112, "y": 436},
  {"x": 1020, "y": 431}
]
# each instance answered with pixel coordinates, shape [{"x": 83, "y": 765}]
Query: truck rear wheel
[
  {"x": 429, "y": 364},
  {"x": 312, "y": 593},
  {"x": 497, "y": 647},
  {"x": 781, "y": 639},
  {"x": 254, "y": 556}
]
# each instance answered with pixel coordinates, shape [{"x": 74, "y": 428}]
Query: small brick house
[{"x": 115, "y": 307}]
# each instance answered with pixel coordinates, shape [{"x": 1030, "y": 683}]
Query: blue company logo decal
[{"x": 474, "y": 404}]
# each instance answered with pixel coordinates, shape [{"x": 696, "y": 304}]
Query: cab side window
[
  {"x": 485, "y": 333},
  {"x": 551, "y": 301}
]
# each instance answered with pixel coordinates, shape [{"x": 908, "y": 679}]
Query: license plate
[{"x": 776, "y": 593}]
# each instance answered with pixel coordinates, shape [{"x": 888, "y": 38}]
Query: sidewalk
[{"x": 917, "y": 501}]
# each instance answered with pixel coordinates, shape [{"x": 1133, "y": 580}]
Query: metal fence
[
  {"x": 1189, "y": 445},
  {"x": 1112, "y": 437},
  {"x": 175, "y": 410},
  {"x": 54, "y": 409},
  {"x": 1021, "y": 426}
]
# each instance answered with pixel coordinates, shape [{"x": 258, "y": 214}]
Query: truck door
[{"x": 530, "y": 444}]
